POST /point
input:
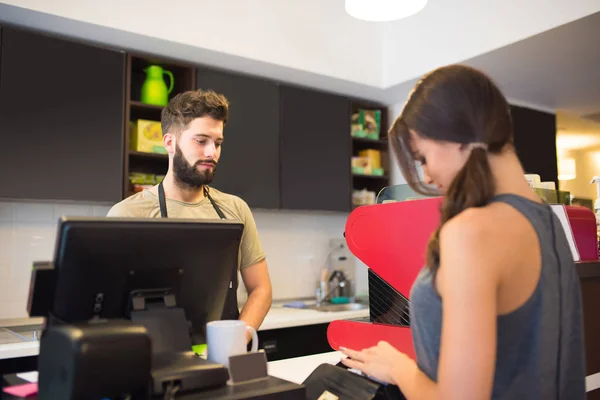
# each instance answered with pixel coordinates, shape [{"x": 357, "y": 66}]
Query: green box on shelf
[
  {"x": 377, "y": 172},
  {"x": 138, "y": 178},
  {"x": 371, "y": 122},
  {"x": 359, "y": 134},
  {"x": 366, "y": 124},
  {"x": 358, "y": 170}
]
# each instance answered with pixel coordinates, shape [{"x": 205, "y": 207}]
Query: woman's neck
[{"x": 510, "y": 176}]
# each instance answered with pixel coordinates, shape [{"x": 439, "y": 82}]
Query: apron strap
[
  {"x": 161, "y": 201},
  {"x": 215, "y": 206}
]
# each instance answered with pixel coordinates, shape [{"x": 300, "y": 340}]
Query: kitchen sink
[{"x": 328, "y": 307}]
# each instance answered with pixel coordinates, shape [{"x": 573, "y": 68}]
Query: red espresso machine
[{"x": 391, "y": 239}]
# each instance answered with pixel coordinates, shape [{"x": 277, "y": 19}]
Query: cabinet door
[
  {"x": 61, "y": 119},
  {"x": 249, "y": 163},
  {"x": 535, "y": 142},
  {"x": 316, "y": 150}
]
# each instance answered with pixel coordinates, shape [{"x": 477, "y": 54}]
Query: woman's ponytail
[{"x": 473, "y": 186}]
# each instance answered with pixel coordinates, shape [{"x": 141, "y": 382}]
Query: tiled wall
[{"x": 296, "y": 244}]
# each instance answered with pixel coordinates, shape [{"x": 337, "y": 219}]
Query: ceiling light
[
  {"x": 566, "y": 169},
  {"x": 383, "y": 10}
]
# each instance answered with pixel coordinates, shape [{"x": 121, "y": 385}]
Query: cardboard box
[
  {"x": 146, "y": 136},
  {"x": 366, "y": 124},
  {"x": 373, "y": 155}
]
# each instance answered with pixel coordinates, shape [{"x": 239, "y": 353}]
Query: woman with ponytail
[{"x": 496, "y": 312}]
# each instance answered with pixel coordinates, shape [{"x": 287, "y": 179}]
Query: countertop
[
  {"x": 294, "y": 370},
  {"x": 283, "y": 317},
  {"x": 298, "y": 369},
  {"x": 278, "y": 317}
]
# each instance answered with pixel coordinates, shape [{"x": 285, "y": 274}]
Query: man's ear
[{"x": 170, "y": 142}]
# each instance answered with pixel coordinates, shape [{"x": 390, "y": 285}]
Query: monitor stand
[{"x": 173, "y": 361}]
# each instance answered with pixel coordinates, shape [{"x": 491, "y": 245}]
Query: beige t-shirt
[{"x": 145, "y": 205}]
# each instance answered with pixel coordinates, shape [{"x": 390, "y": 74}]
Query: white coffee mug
[{"x": 227, "y": 338}]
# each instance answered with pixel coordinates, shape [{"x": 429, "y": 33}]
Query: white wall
[
  {"x": 396, "y": 177},
  {"x": 296, "y": 244},
  {"x": 286, "y": 33},
  {"x": 316, "y": 36}
]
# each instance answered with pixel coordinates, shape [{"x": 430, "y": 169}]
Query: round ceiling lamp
[
  {"x": 566, "y": 169},
  {"x": 383, "y": 10}
]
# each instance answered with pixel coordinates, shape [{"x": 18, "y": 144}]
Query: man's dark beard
[{"x": 188, "y": 175}]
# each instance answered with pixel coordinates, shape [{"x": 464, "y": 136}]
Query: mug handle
[{"x": 254, "y": 338}]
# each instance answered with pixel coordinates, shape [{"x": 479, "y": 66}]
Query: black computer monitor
[{"x": 104, "y": 266}]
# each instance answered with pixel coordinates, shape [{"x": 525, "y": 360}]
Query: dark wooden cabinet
[
  {"x": 315, "y": 150},
  {"x": 249, "y": 163},
  {"x": 535, "y": 141},
  {"x": 61, "y": 119}
]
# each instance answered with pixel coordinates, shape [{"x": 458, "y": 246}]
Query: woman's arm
[{"x": 468, "y": 281}]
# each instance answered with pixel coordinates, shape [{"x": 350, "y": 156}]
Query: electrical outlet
[
  {"x": 339, "y": 250},
  {"x": 338, "y": 244}
]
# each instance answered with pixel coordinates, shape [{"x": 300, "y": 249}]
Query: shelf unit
[
  {"x": 375, "y": 177},
  {"x": 380, "y": 143},
  {"x": 372, "y": 183},
  {"x": 185, "y": 79}
]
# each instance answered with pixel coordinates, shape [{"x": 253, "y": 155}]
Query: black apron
[{"x": 230, "y": 310}]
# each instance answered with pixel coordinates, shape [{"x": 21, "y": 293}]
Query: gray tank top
[{"x": 540, "y": 346}]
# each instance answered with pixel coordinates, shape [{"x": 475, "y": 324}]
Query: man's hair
[{"x": 187, "y": 106}]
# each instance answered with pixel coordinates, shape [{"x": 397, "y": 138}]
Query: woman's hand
[{"x": 381, "y": 362}]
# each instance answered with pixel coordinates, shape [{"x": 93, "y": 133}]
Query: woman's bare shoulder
[{"x": 494, "y": 229}]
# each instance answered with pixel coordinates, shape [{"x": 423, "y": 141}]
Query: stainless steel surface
[
  {"x": 328, "y": 307},
  {"x": 19, "y": 330},
  {"x": 9, "y": 322},
  {"x": 19, "y": 334}
]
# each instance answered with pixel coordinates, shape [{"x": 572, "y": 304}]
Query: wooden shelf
[
  {"x": 379, "y": 142},
  {"x": 184, "y": 75},
  {"x": 381, "y": 177},
  {"x": 143, "y": 106},
  {"x": 149, "y": 156}
]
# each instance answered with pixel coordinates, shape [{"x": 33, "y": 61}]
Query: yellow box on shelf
[
  {"x": 361, "y": 165},
  {"x": 373, "y": 155},
  {"x": 146, "y": 136}
]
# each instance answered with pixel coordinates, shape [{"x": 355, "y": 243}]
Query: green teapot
[{"x": 154, "y": 89}]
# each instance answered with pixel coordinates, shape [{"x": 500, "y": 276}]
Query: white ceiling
[
  {"x": 449, "y": 31},
  {"x": 556, "y": 70},
  {"x": 310, "y": 42}
]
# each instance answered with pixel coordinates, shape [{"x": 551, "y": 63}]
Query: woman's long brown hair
[{"x": 461, "y": 105}]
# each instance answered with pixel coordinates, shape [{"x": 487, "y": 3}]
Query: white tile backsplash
[
  {"x": 6, "y": 212},
  {"x": 100, "y": 211},
  {"x": 79, "y": 210},
  {"x": 296, "y": 244},
  {"x": 6, "y": 249},
  {"x": 33, "y": 212}
]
